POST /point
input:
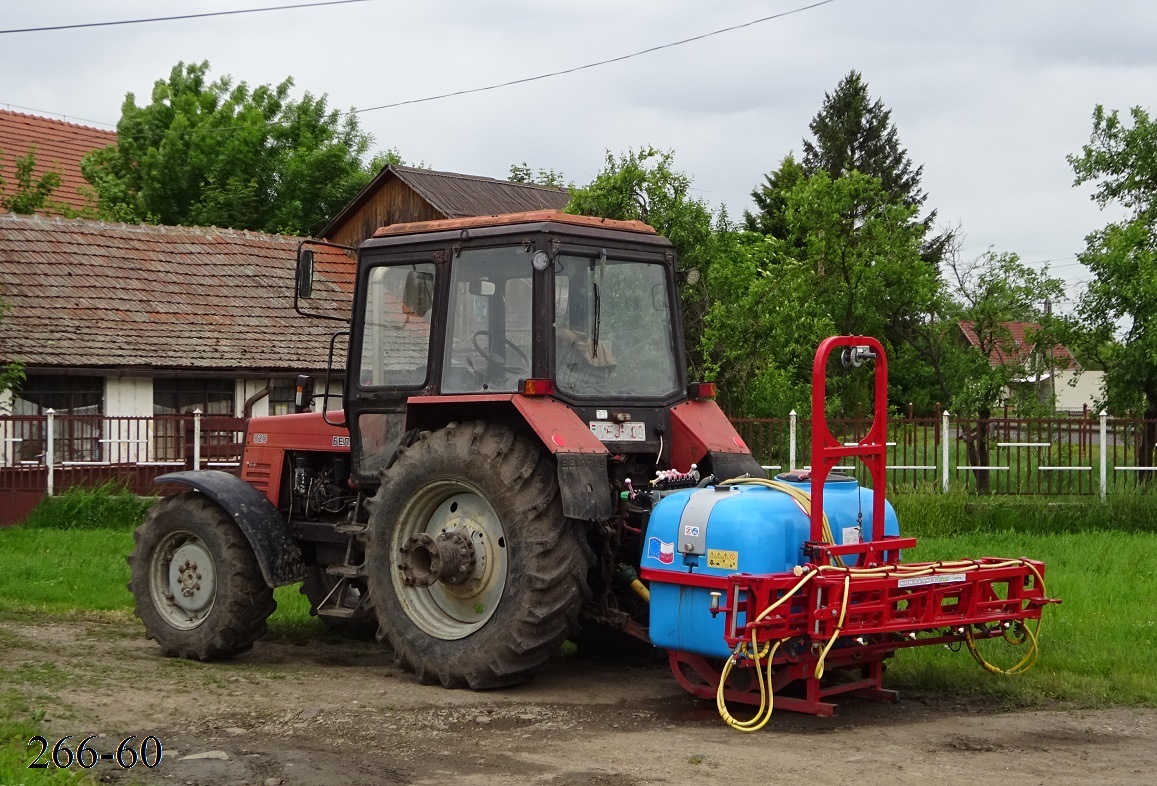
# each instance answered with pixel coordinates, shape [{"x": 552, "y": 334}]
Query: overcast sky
[{"x": 988, "y": 95}]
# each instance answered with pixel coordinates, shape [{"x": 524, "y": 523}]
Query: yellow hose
[
  {"x": 803, "y": 498},
  {"x": 766, "y": 697}
]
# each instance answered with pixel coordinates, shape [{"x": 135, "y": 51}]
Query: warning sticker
[{"x": 717, "y": 558}]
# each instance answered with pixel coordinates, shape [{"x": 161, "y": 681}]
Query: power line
[
  {"x": 618, "y": 59},
  {"x": 175, "y": 18},
  {"x": 496, "y": 86}
]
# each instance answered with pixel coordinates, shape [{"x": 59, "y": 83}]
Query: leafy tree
[
  {"x": 762, "y": 327},
  {"x": 985, "y": 296},
  {"x": 847, "y": 261},
  {"x": 644, "y": 186},
  {"x": 851, "y": 133},
  {"x": 521, "y": 173},
  {"x": 31, "y": 193},
  {"x": 1118, "y": 309},
  {"x": 224, "y": 154}
]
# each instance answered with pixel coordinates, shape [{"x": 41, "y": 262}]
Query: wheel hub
[
  {"x": 191, "y": 577},
  {"x": 449, "y": 558}
]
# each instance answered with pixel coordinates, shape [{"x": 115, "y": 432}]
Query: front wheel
[
  {"x": 197, "y": 585},
  {"x": 474, "y": 573}
]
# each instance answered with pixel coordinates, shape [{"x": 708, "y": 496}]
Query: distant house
[
  {"x": 1054, "y": 375},
  {"x": 59, "y": 147}
]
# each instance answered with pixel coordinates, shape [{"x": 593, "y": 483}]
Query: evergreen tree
[{"x": 850, "y": 133}]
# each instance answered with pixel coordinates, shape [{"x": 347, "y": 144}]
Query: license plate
[{"x": 619, "y": 432}]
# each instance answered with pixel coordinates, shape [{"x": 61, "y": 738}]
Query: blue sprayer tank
[{"x": 741, "y": 529}]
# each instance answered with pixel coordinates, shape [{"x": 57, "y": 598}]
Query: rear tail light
[
  {"x": 538, "y": 387},
  {"x": 701, "y": 390}
]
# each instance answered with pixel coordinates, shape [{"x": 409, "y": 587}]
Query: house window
[
  {"x": 282, "y": 396},
  {"x": 176, "y": 396},
  {"x": 76, "y": 435}
]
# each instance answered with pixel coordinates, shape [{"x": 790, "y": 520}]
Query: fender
[
  {"x": 581, "y": 458},
  {"x": 276, "y": 551},
  {"x": 700, "y": 430}
]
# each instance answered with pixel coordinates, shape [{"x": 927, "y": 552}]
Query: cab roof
[{"x": 508, "y": 219}]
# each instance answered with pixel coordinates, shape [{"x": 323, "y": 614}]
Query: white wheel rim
[
  {"x": 452, "y": 611},
  {"x": 183, "y": 580}
]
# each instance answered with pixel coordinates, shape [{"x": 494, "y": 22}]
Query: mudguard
[{"x": 276, "y": 551}]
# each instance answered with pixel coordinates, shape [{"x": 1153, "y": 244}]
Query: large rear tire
[
  {"x": 197, "y": 585},
  {"x": 475, "y": 575}
]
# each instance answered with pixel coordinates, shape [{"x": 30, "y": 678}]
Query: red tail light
[
  {"x": 701, "y": 390},
  {"x": 538, "y": 387}
]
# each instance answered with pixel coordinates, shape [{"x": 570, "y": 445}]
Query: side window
[{"x": 396, "y": 341}]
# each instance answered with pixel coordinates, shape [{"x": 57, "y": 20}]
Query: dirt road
[{"x": 326, "y": 711}]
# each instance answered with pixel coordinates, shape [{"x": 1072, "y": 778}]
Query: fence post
[
  {"x": 50, "y": 449},
  {"x": 196, "y": 439},
  {"x": 944, "y": 449},
  {"x": 792, "y": 418},
  {"x": 1104, "y": 454}
]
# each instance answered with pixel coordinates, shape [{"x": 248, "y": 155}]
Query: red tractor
[
  {"x": 507, "y": 377},
  {"x": 520, "y": 449}
]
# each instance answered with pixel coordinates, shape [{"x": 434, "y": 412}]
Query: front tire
[
  {"x": 197, "y": 585},
  {"x": 475, "y": 575}
]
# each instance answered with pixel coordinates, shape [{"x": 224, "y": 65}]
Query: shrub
[{"x": 109, "y": 506}]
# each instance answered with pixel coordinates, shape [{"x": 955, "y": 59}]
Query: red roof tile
[
  {"x": 59, "y": 148},
  {"x": 101, "y": 295},
  {"x": 1019, "y": 345}
]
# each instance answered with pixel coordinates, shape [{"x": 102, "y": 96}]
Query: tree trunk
[
  {"x": 1148, "y": 439},
  {"x": 976, "y": 444}
]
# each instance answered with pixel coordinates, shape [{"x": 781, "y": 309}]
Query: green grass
[
  {"x": 958, "y": 513},
  {"x": 19, "y": 722},
  {"x": 60, "y": 572},
  {"x": 106, "y": 507},
  {"x": 1096, "y": 647}
]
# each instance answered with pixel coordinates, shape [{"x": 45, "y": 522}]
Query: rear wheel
[
  {"x": 474, "y": 573},
  {"x": 197, "y": 585}
]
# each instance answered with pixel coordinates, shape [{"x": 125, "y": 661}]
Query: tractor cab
[{"x": 456, "y": 318}]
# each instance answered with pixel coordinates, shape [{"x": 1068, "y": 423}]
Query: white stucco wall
[
  {"x": 7, "y": 433},
  {"x": 245, "y": 389},
  {"x": 1083, "y": 392},
  {"x": 130, "y": 397}
]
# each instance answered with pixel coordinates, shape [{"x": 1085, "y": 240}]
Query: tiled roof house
[
  {"x": 1057, "y": 375},
  {"x": 137, "y": 320},
  {"x": 127, "y": 321},
  {"x": 131, "y": 320},
  {"x": 58, "y": 146}
]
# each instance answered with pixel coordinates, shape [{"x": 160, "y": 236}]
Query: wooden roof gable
[{"x": 431, "y": 195}]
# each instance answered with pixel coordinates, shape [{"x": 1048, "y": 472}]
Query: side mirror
[
  {"x": 304, "y": 273},
  {"x": 418, "y": 294},
  {"x": 483, "y": 287},
  {"x": 303, "y": 401}
]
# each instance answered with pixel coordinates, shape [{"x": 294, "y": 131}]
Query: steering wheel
[{"x": 500, "y": 363}]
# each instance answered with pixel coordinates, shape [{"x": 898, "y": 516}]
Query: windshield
[{"x": 613, "y": 329}]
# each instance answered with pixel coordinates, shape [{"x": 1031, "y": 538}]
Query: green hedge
[{"x": 109, "y": 506}]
